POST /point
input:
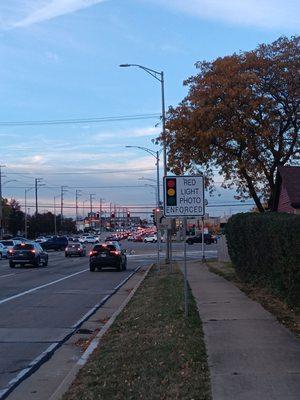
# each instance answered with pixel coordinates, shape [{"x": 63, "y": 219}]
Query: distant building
[{"x": 287, "y": 190}]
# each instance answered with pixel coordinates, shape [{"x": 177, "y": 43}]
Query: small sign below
[{"x": 184, "y": 196}]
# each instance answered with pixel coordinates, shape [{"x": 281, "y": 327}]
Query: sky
[{"x": 60, "y": 61}]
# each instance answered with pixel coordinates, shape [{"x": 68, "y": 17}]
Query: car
[
  {"x": 107, "y": 255},
  {"x": 150, "y": 239},
  {"x": 3, "y": 251},
  {"x": 40, "y": 239},
  {"x": 112, "y": 238},
  {"x": 9, "y": 244},
  {"x": 137, "y": 239},
  {"x": 208, "y": 239},
  {"x": 28, "y": 253},
  {"x": 91, "y": 239},
  {"x": 55, "y": 243},
  {"x": 75, "y": 249}
]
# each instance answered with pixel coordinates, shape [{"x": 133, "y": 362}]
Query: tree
[
  {"x": 13, "y": 217},
  {"x": 44, "y": 224},
  {"x": 241, "y": 116}
]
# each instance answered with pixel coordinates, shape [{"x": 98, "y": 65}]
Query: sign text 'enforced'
[{"x": 183, "y": 196}]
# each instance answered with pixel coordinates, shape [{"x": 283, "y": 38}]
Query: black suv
[
  {"x": 28, "y": 253},
  {"x": 55, "y": 243},
  {"x": 107, "y": 255},
  {"x": 208, "y": 239}
]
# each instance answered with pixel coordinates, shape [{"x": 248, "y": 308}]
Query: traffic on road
[{"x": 46, "y": 293}]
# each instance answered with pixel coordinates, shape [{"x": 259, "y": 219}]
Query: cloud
[
  {"x": 37, "y": 159},
  {"x": 271, "y": 14},
  {"x": 46, "y": 10},
  {"x": 128, "y": 133}
]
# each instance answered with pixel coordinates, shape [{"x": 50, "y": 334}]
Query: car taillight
[
  {"x": 32, "y": 251},
  {"x": 115, "y": 253},
  {"x": 92, "y": 253},
  {"x": 67, "y": 248}
]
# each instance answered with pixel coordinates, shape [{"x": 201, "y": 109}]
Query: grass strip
[
  {"x": 285, "y": 314},
  {"x": 151, "y": 351}
]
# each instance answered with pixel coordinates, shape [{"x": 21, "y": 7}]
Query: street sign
[{"x": 184, "y": 196}]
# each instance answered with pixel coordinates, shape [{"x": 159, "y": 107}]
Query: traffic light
[
  {"x": 171, "y": 199},
  {"x": 112, "y": 215},
  {"x": 128, "y": 214},
  {"x": 153, "y": 217}
]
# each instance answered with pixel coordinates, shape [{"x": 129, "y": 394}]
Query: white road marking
[
  {"x": 41, "y": 287},
  {"x": 177, "y": 252},
  {"x": 3, "y": 276}
]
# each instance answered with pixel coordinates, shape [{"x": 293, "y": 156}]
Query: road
[{"x": 40, "y": 307}]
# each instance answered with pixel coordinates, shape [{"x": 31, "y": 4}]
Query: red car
[{"x": 137, "y": 239}]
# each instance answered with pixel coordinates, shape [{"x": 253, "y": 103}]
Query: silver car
[
  {"x": 75, "y": 249},
  {"x": 3, "y": 251}
]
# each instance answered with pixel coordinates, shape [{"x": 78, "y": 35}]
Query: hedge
[{"x": 265, "y": 250}]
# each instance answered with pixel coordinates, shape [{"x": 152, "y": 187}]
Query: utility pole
[
  {"x": 110, "y": 209},
  {"x": 100, "y": 215},
  {"x": 63, "y": 190},
  {"x": 78, "y": 193},
  {"x": 1, "y": 206},
  {"x": 54, "y": 211},
  {"x": 37, "y": 185},
  {"x": 25, "y": 217},
  {"x": 91, "y": 208}
]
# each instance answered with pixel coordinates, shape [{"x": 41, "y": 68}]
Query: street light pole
[
  {"x": 161, "y": 78},
  {"x": 155, "y": 154},
  {"x": 1, "y": 206},
  {"x": 164, "y": 122}
]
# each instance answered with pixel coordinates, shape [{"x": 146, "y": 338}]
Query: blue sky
[{"x": 59, "y": 60}]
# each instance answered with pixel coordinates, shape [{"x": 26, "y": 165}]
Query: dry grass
[{"x": 151, "y": 351}]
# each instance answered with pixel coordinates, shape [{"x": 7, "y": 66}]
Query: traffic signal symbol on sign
[{"x": 171, "y": 192}]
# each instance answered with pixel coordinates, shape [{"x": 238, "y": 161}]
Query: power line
[
  {"x": 91, "y": 172},
  {"x": 92, "y": 120}
]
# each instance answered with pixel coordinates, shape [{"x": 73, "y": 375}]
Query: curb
[
  {"x": 66, "y": 383},
  {"x": 48, "y": 353}
]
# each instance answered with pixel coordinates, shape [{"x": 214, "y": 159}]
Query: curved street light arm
[
  {"x": 156, "y": 74},
  {"x": 152, "y": 152}
]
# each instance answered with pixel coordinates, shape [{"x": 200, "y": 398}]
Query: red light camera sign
[{"x": 184, "y": 196}]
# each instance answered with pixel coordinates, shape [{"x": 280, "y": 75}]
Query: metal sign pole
[
  {"x": 158, "y": 250},
  {"x": 171, "y": 256},
  {"x": 203, "y": 252},
  {"x": 186, "y": 304}
]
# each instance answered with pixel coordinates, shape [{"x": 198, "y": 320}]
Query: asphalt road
[{"x": 40, "y": 307}]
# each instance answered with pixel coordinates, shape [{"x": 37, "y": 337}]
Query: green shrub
[{"x": 265, "y": 249}]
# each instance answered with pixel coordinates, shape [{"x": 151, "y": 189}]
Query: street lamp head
[{"x": 124, "y": 65}]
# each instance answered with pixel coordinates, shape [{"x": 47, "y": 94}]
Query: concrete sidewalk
[{"x": 251, "y": 356}]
